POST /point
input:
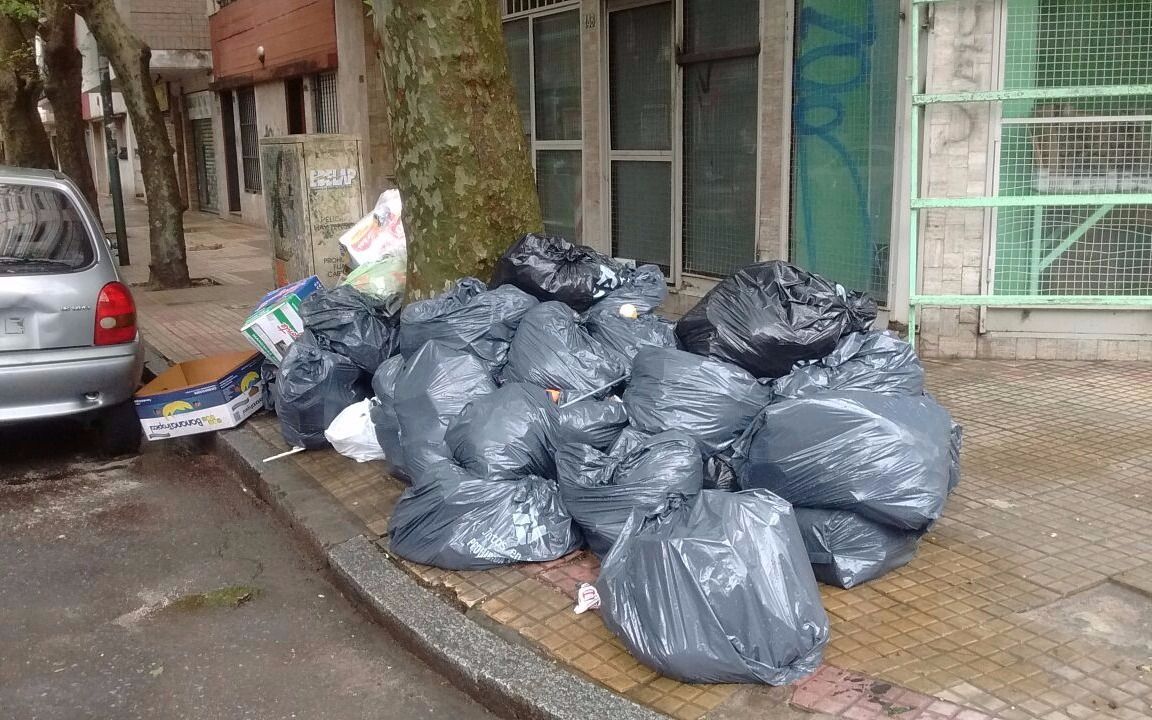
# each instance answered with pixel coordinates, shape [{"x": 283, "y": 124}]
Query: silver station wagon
[{"x": 69, "y": 345}]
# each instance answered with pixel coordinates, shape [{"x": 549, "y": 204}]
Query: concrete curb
[{"x": 508, "y": 678}]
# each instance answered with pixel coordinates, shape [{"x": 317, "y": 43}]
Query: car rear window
[{"x": 41, "y": 232}]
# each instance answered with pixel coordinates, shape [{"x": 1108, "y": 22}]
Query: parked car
[{"x": 69, "y": 344}]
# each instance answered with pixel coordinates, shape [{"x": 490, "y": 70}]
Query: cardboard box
[
  {"x": 275, "y": 323},
  {"x": 199, "y": 396}
]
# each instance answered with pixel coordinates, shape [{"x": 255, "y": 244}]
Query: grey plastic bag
[
  {"x": 957, "y": 444},
  {"x": 643, "y": 287},
  {"x": 718, "y": 473},
  {"x": 313, "y": 387},
  {"x": 456, "y": 521},
  {"x": 436, "y": 384},
  {"x": 627, "y": 335},
  {"x": 770, "y": 315},
  {"x": 551, "y": 349},
  {"x": 467, "y": 317},
  {"x": 875, "y": 361},
  {"x": 887, "y": 457},
  {"x": 384, "y": 418},
  {"x": 847, "y": 550},
  {"x": 710, "y": 400},
  {"x": 590, "y": 422},
  {"x": 360, "y": 327},
  {"x": 716, "y": 590},
  {"x": 506, "y": 434},
  {"x": 601, "y": 491}
]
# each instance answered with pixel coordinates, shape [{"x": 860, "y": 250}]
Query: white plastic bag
[
  {"x": 379, "y": 235},
  {"x": 353, "y": 435}
]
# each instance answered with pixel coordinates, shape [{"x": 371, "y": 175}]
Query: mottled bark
[
  {"x": 25, "y": 141},
  {"x": 461, "y": 162},
  {"x": 62, "y": 86},
  {"x": 130, "y": 57}
]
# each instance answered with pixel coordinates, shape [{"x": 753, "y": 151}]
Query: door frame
[{"x": 674, "y": 156}]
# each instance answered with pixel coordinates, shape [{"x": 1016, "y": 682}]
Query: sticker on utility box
[{"x": 324, "y": 179}]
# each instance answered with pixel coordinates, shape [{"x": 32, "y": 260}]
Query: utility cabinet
[{"x": 312, "y": 190}]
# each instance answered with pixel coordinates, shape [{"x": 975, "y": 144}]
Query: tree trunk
[
  {"x": 25, "y": 141},
  {"x": 461, "y": 162},
  {"x": 62, "y": 86},
  {"x": 130, "y": 57}
]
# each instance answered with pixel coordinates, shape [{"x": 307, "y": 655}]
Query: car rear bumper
[{"x": 53, "y": 383}]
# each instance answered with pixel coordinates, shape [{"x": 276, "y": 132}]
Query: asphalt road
[{"x": 157, "y": 587}]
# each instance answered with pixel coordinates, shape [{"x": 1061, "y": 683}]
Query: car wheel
[{"x": 119, "y": 430}]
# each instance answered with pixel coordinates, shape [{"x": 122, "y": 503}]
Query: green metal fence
[{"x": 1072, "y": 104}]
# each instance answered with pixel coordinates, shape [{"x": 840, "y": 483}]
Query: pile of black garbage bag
[{"x": 719, "y": 465}]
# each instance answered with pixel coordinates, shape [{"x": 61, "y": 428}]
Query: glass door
[
  {"x": 845, "y": 82},
  {"x": 641, "y": 71}
]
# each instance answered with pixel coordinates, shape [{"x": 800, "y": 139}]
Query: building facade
[
  {"x": 286, "y": 67},
  {"x": 703, "y": 135}
]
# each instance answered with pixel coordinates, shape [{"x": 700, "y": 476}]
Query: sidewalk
[{"x": 1032, "y": 598}]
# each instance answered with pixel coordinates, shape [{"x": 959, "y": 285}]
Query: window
[
  {"x": 1081, "y": 144},
  {"x": 325, "y": 105},
  {"x": 544, "y": 60},
  {"x": 41, "y": 232},
  {"x": 249, "y": 139}
]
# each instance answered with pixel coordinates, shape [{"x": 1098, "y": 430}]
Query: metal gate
[
  {"x": 207, "y": 183},
  {"x": 1065, "y": 207}
]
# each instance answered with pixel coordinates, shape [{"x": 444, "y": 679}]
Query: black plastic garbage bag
[
  {"x": 710, "y": 400},
  {"x": 268, "y": 374},
  {"x": 551, "y": 268},
  {"x": 847, "y": 550},
  {"x": 626, "y": 335},
  {"x": 771, "y": 315},
  {"x": 643, "y": 287},
  {"x": 719, "y": 474},
  {"x": 435, "y": 385},
  {"x": 506, "y": 434},
  {"x": 716, "y": 590},
  {"x": 630, "y": 438},
  {"x": 601, "y": 491},
  {"x": 314, "y": 386},
  {"x": 590, "y": 422},
  {"x": 456, "y": 521},
  {"x": 467, "y": 317},
  {"x": 887, "y": 457},
  {"x": 384, "y": 417},
  {"x": 551, "y": 349},
  {"x": 875, "y": 361},
  {"x": 360, "y": 327}
]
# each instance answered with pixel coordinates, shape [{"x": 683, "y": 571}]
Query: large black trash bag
[
  {"x": 710, "y": 400},
  {"x": 313, "y": 387},
  {"x": 643, "y": 287},
  {"x": 626, "y": 335},
  {"x": 590, "y": 422},
  {"x": 551, "y": 349},
  {"x": 876, "y": 361},
  {"x": 601, "y": 491},
  {"x": 771, "y": 315},
  {"x": 268, "y": 374},
  {"x": 467, "y": 317},
  {"x": 551, "y": 268},
  {"x": 847, "y": 550},
  {"x": 383, "y": 414},
  {"x": 716, "y": 590},
  {"x": 360, "y": 327},
  {"x": 457, "y": 521},
  {"x": 436, "y": 384},
  {"x": 506, "y": 434},
  {"x": 887, "y": 457}
]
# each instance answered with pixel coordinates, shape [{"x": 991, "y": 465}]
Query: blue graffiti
[{"x": 818, "y": 112}]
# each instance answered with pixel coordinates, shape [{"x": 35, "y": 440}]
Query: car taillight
[{"x": 115, "y": 315}]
